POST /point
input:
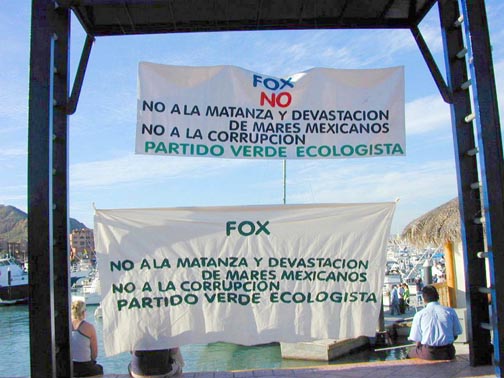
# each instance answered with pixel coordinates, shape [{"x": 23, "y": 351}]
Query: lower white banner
[{"x": 246, "y": 275}]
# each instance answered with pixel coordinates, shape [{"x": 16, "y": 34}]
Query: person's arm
[
  {"x": 457, "y": 327},
  {"x": 415, "y": 332}
]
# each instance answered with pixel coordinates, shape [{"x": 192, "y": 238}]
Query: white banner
[
  {"x": 230, "y": 112},
  {"x": 245, "y": 275}
]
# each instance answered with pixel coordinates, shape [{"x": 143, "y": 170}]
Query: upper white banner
[
  {"x": 230, "y": 112},
  {"x": 245, "y": 275}
]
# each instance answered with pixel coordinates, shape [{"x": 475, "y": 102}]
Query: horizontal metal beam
[{"x": 130, "y": 17}]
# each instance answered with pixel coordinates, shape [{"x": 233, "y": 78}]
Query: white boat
[
  {"x": 88, "y": 288},
  {"x": 81, "y": 269},
  {"x": 13, "y": 282}
]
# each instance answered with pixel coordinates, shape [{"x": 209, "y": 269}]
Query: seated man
[
  {"x": 434, "y": 329},
  {"x": 161, "y": 363}
]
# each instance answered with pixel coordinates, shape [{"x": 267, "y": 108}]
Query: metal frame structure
[{"x": 475, "y": 125}]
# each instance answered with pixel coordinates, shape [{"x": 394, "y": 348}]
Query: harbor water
[{"x": 14, "y": 344}]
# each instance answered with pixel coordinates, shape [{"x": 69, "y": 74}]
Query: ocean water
[{"x": 14, "y": 343}]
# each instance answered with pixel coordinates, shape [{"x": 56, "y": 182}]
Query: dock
[{"x": 411, "y": 368}]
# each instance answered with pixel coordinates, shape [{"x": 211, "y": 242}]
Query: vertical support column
[
  {"x": 450, "y": 273},
  {"x": 467, "y": 175},
  {"x": 491, "y": 163},
  {"x": 61, "y": 255},
  {"x": 47, "y": 192}
]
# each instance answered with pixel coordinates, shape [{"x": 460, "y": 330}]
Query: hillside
[{"x": 14, "y": 224}]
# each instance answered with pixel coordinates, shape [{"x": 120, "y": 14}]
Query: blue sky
[{"x": 105, "y": 171}]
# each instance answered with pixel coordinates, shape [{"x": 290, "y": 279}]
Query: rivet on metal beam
[
  {"x": 469, "y": 118},
  {"x": 478, "y": 220},
  {"x": 483, "y": 255},
  {"x": 472, "y": 152},
  {"x": 486, "y": 326},
  {"x": 458, "y": 21},
  {"x": 475, "y": 185},
  {"x": 465, "y": 85},
  {"x": 461, "y": 53},
  {"x": 484, "y": 290}
]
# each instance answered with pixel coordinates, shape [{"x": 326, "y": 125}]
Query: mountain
[
  {"x": 76, "y": 225},
  {"x": 14, "y": 224}
]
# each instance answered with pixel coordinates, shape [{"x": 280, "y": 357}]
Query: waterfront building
[{"x": 82, "y": 244}]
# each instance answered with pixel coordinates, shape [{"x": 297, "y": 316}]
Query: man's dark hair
[{"x": 430, "y": 294}]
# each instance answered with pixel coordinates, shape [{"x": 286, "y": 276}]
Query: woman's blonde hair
[{"x": 78, "y": 309}]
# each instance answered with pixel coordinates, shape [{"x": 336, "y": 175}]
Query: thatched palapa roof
[{"x": 436, "y": 227}]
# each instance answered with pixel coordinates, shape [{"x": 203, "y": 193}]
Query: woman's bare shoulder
[{"x": 87, "y": 328}]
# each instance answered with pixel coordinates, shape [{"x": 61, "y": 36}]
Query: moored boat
[
  {"x": 13, "y": 282},
  {"x": 81, "y": 269},
  {"x": 88, "y": 288}
]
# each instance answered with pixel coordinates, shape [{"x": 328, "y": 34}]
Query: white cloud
[
  {"x": 14, "y": 67},
  {"x": 330, "y": 48},
  {"x": 419, "y": 188},
  {"x": 7, "y": 153},
  {"x": 431, "y": 33},
  {"x": 13, "y": 101},
  {"x": 427, "y": 114},
  {"x": 390, "y": 42},
  {"x": 354, "y": 181},
  {"x": 140, "y": 168},
  {"x": 14, "y": 195},
  {"x": 431, "y": 113}
]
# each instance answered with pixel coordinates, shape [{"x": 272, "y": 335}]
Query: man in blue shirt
[{"x": 434, "y": 329}]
